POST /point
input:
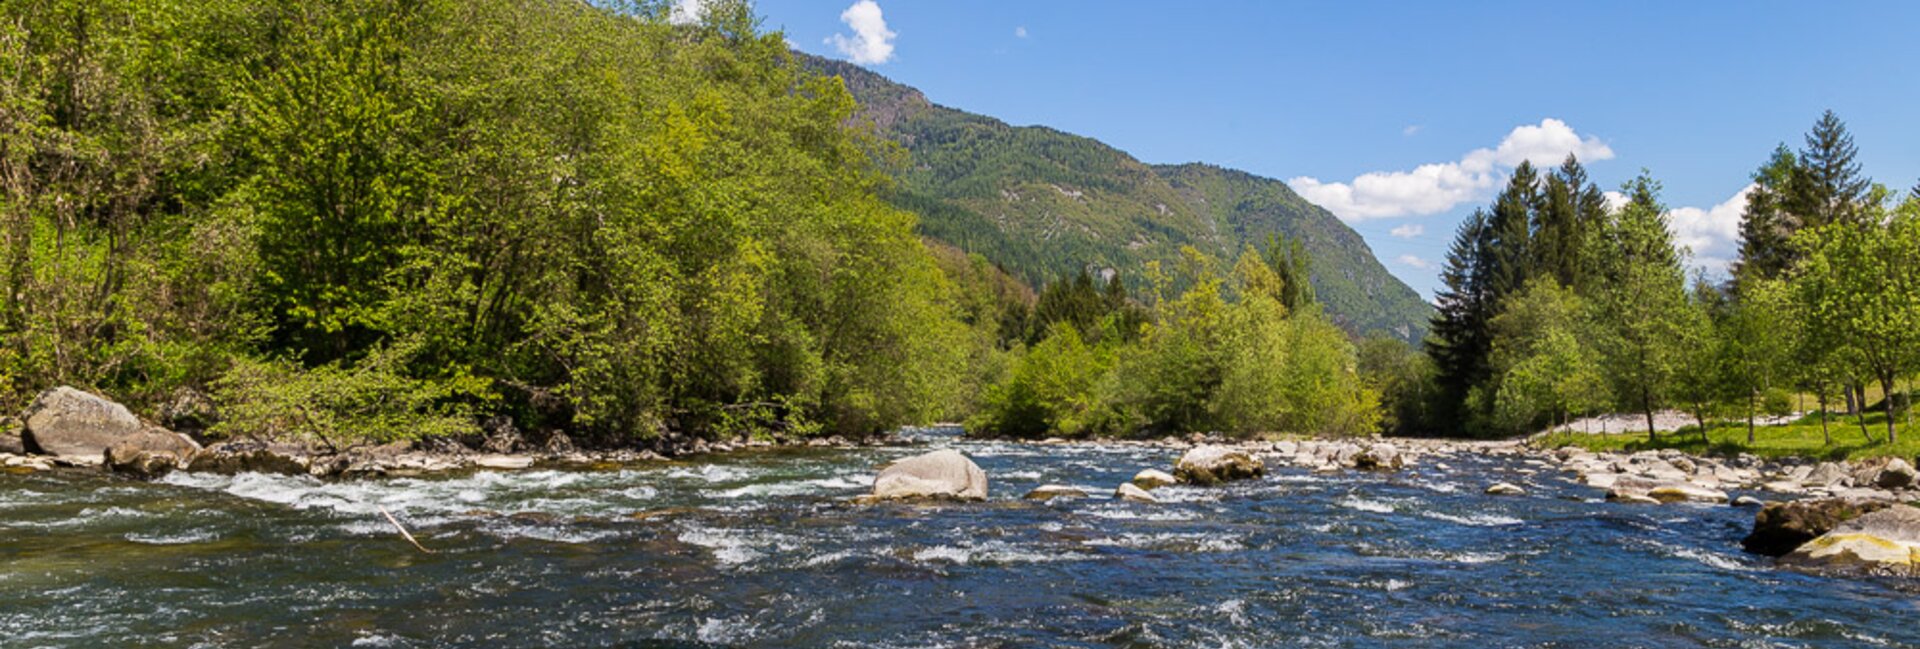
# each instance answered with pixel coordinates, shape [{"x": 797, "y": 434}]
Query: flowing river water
[{"x": 762, "y": 550}]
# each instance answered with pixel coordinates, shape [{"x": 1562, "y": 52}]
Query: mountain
[{"x": 1042, "y": 203}]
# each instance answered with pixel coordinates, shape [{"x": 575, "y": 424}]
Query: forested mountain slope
[{"x": 1043, "y": 203}]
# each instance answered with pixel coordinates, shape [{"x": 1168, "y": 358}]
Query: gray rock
[
  {"x": 1781, "y": 527},
  {"x": 77, "y": 426},
  {"x": 1748, "y": 501},
  {"x": 1897, "y": 474},
  {"x": 1130, "y": 493},
  {"x": 1674, "y": 493},
  {"x": 1827, "y": 474},
  {"x": 140, "y": 463},
  {"x": 11, "y": 442},
  {"x": 504, "y": 462},
  {"x": 1505, "y": 489},
  {"x": 1052, "y": 491},
  {"x": 1209, "y": 465},
  {"x": 189, "y": 410},
  {"x": 942, "y": 474},
  {"x": 236, "y": 457},
  {"x": 1881, "y": 542},
  {"x": 1153, "y": 479},
  {"x": 1381, "y": 456}
]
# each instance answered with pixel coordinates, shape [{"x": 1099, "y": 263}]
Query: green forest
[
  {"x": 395, "y": 219},
  {"x": 366, "y": 220},
  {"x": 1556, "y": 305}
]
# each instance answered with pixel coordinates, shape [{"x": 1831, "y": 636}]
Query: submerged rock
[
  {"x": 79, "y": 426},
  {"x": 1505, "y": 489},
  {"x": 1881, "y": 542},
  {"x": 1153, "y": 478},
  {"x": 1052, "y": 491},
  {"x": 1687, "y": 493},
  {"x": 1209, "y": 465},
  {"x": 1781, "y": 527},
  {"x": 942, "y": 474},
  {"x": 1130, "y": 493}
]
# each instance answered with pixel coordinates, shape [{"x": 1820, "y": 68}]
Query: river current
[{"x": 761, "y": 549}]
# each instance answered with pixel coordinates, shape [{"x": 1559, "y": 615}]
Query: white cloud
[
  {"x": 1410, "y": 130},
  {"x": 872, "y": 42},
  {"x": 1615, "y": 200},
  {"x": 1409, "y": 231},
  {"x": 686, "y": 12},
  {"x": 1020, "y": 32},
  {"x": 1712, "y": 233},
  {"x": 1415, "y": 262},
  {"x": 1438, "y": 187}
]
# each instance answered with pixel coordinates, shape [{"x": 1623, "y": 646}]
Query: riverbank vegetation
[
  {"x": 392, "y": 218},
  {"x": 1840, "y": 437},
  {"x": 1557, "y": 305}
]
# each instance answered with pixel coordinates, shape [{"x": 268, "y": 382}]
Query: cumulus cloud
[
  {"x": 1409, "y": 231},
  {"x": 1415, "y": 262},
  {"x": 1713, "y": 234},
  {"x": 686, "y": 12},
  {"x": 1438, "y": 187},
  {"x": 872, "y": 42},
  {"x": 1410, "y": 130},
  {"x": 1020, "y": 32}
]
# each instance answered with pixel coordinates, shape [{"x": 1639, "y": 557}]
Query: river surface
[{"x": 761, "y": 550}]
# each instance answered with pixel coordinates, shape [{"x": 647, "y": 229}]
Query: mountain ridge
[{"x": 1041, "y": 203}]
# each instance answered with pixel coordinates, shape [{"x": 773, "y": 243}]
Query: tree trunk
[
  {"x": 1886, "y": 385},
  {"x": 1824, "y": 431},
  {"x": 1752, "y": 405},
  {"x": 1862, "y": 420},
  {"x": 1646, "y": 400}
]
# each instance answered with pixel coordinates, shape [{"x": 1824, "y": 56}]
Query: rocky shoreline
[{"x": 69, "y": 428}]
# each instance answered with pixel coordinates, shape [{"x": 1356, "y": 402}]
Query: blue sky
[{"x": 1403, "y": 117}]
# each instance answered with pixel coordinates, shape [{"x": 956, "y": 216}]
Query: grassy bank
[{"x": 1801, "y": 438}]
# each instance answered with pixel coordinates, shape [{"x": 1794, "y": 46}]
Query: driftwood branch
[{"x": 403, "y": 531}]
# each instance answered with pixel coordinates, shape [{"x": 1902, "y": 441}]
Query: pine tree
[
  {"x": 1459, "y": 339},
  {"x": 1830, "y": 188},
  {"x": 1510, "y": 224},
  {"x": 1570, "y": 207},
  {"x": 1766, "y": 226}
]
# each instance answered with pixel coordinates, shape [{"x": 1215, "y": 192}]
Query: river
[{"x": 760, "y": 549}]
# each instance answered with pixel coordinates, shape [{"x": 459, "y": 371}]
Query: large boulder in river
[
  {"x": 1881, "y": 542},
  {"x": 942, "y": 474},
  {"x": 67, "y": 423},
  {"x": 1207, "y": 465},
  {"x": 1781, "y": 527},
  {"x": 1132, "y": 493}
]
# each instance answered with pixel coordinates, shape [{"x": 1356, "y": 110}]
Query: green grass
[{"x": 1802, "y": 438}]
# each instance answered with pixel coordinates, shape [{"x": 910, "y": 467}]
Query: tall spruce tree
[
  {"x": 1830, "y": 188},
  {"x": 1459, "y": 339},
  {"x": 1511, "y": 224}
]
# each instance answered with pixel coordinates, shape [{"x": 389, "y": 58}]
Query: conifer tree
[
  {"x": 1830, "y": 187},
  {"x": 1766, "y": 226}
]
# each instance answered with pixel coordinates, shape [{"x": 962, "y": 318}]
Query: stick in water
[{"x": 403, "y": 530}]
